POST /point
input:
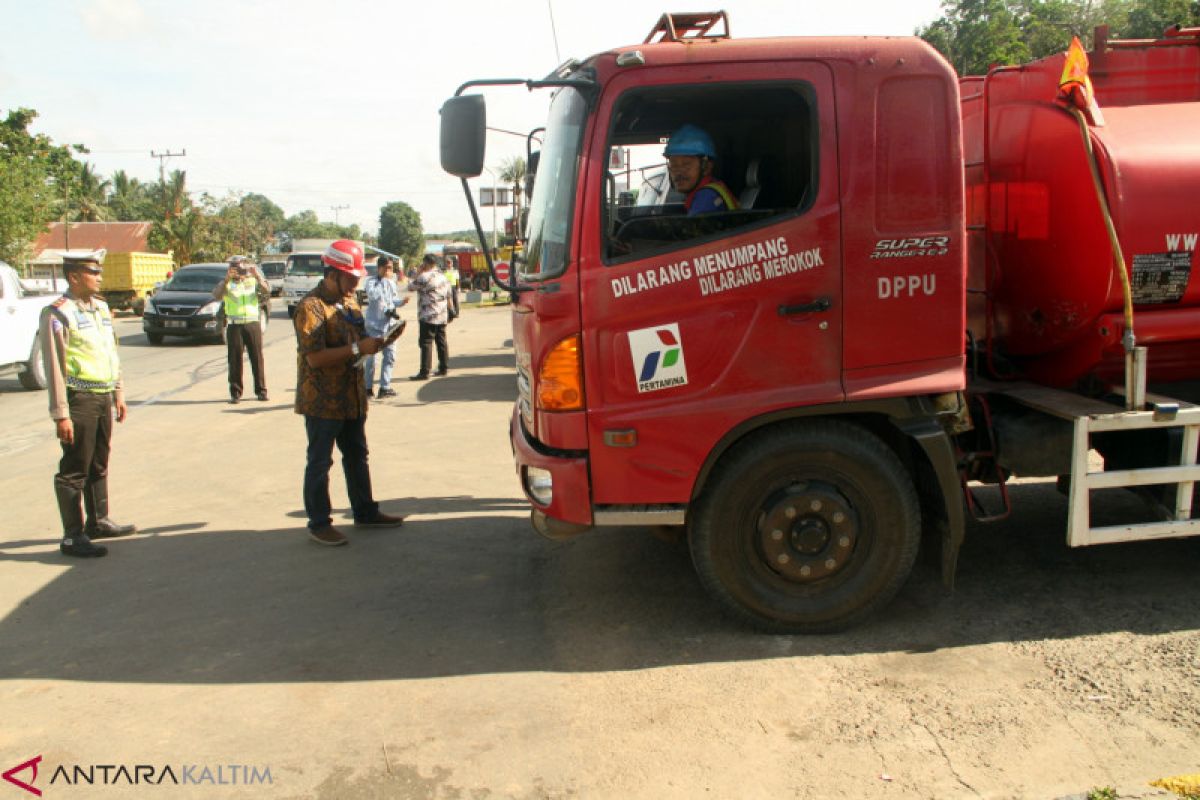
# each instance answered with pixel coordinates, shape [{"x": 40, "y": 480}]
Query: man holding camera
[{"x": 243, "y": 291}]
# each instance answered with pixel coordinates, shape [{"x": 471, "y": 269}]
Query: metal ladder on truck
[{"x": 1089, "y": 416}]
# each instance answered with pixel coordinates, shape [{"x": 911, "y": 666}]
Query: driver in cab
[{"x": 690, "y": 161}]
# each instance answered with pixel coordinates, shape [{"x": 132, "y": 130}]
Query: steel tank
[{"x": 1045, "y": 301}]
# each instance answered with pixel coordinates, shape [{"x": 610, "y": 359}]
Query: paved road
[{"x": 463, "y": 656}]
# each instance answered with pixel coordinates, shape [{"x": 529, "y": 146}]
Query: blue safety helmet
[{"x": 690, "y": 140}]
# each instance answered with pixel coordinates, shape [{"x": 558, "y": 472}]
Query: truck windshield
[
  {"x": 307, "y": 265},
  {"x": 550, "y": 209}
]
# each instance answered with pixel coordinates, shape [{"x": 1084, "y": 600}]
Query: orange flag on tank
[{"x": 1075, "y": 85}]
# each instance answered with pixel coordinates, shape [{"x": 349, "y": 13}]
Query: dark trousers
[
  {"x": 431, "y": 334},
  {"x": 83, "y": 469},
  {"x": 350, "y": 435},
  {"x": 248, "y": 336}
]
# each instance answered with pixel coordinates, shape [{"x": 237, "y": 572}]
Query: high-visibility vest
[
  {"x": 720, "y": 188},
  {"x": 91, "y": 355},
  {"x": 241, "y": 302},
  {"x": 451, "y": 276}
]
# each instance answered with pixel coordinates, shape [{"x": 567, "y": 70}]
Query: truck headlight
[
  {"x": 210, "y": 308},
  {"x": 539, "y": 483}
]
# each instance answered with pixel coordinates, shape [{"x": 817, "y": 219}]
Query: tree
[
  {"x": 87, "y": 200},
  {"x": 975, "y": 34},
  {"x": 400, "y": 231},
  {"x": 1150, "y": 18},
  {"x": 513, "y": 171},
  {"x": 128, "y": 200},
  {"x": 34, "y": 172},
  {"x": 178, "y": 223}
]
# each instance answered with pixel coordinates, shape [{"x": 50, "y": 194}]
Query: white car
[{"x": 20, "y": 314}]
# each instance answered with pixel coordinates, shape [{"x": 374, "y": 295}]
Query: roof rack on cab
[{"x": 689, "y": 27}]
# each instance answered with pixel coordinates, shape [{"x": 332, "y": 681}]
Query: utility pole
[
  {"x": 162, "y": 158},
  {"x": 335, "y": 210}
]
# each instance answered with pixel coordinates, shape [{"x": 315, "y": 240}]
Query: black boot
[
  {"x": 75, "y": 542},
  {"x": 99, "y": 526},
  {"x": 79, "y": 545}
]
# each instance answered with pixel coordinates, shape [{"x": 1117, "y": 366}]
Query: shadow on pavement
[
  {"x": 491, "y": 388},
  {"x": 502, "y": 359},
  {"x": 483, "y": 594}
]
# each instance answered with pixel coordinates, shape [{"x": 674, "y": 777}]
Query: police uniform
[
  {"x": 242, "y": 299},
  {"x": 83, "y": 371},
  {"x": 451, "y": 273}
]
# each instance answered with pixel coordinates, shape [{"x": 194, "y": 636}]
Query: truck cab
[
  {"x": 792, "y": 378},
  {"x": 655, "y": 349}
]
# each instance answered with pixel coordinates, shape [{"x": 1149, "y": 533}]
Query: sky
[{"x": 331, "y": 106}]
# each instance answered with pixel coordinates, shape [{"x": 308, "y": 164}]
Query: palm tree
[
  {"x": 513, "y": 171},
  {"x": 90, "y": 201},
  {"x": 128, "y": 198}
]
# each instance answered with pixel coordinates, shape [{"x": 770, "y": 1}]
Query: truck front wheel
[{"x": 806, "y": 528}]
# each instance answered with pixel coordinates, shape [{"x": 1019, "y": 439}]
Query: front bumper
[
  {"x": 192, "y": 325},
  {"x": 572, "y": 498}
]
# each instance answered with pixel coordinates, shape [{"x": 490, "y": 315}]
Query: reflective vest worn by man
[
  {"x": 83, "y": 378},
  {"x": 243, "y": 292}
]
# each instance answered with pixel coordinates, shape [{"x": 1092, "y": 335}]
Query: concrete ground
[{"x": 462, "y": 656}]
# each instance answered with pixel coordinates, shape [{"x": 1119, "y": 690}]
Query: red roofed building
[{"x": 115, "y": 237}]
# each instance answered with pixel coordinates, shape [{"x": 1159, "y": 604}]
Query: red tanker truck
[{"x": 931, "y": 284}]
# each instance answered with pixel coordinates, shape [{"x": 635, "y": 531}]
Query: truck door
[{"x": 694, "y": 325}]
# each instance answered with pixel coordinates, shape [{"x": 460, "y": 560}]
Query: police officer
[
  {"x": 451, "y": 273},
  {"x": 243, "y": 291},
  {"x": 83, "y": 376}
]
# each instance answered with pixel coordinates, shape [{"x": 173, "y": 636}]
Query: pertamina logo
[
  {"x": 658, "y": 358},
  {"x": 32, "y": 766}
]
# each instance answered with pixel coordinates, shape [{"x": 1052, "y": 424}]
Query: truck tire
[
  {"x": 154, "y": 338},
  {"x": 807, "y": 528},
  {"x": 34, "y": 374}
]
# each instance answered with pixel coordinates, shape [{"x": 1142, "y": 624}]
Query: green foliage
[
  {"x": 976, "y": 34},
  {"x": 41, "y": 182},
  {"x": 468, "y": 235},
  {"x": 1102, "y": 793},
  {"x": 128, "y": 199},
  {"x": 36, "y": 176},
  {"x": 1150, "y": 18},
  {"x": 400, "y": 231}
]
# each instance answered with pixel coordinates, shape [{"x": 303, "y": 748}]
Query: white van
[{"x": 304, "y": 272}]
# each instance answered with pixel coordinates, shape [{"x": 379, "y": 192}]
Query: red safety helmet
[{"x": 346, "y": 256}]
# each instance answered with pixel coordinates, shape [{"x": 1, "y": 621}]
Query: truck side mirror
[
  {"x": 531, "y": 173},
  {"x": 464, "y": 120}
]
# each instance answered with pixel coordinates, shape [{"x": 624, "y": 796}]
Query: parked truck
[
  {"x": 932, "y": 285},
  {"x": 129, "y": 278},
  {"x": 20, "y": 314}
]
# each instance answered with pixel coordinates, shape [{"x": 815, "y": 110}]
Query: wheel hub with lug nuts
[{"x": 807, "y": 532}]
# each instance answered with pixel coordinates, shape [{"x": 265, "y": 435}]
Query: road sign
[{"x": 501, "y": 271}]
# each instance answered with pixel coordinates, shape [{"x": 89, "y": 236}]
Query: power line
[
  {"x": 554, "y": 31},
  {"x": 162, "y": 160}
]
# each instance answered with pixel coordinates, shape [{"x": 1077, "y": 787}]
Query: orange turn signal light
[{"x": 560, "y": 380}]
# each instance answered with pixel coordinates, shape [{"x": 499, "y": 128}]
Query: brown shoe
[
  {"x": 328, "y": 536},
  {"x": 380, "y": 520}
]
